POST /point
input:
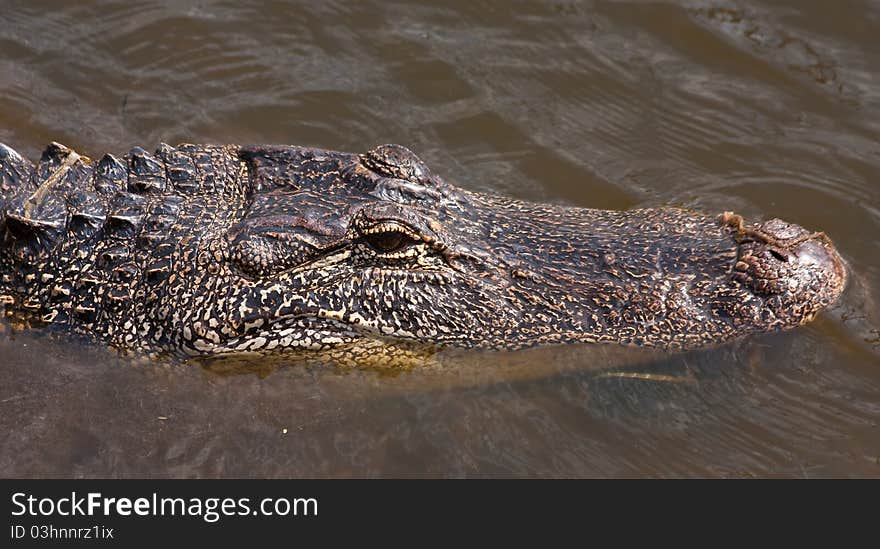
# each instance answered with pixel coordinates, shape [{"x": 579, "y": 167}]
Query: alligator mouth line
[{"x": 306, "y": 332}]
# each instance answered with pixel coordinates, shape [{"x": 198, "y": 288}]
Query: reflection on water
[{"x": 767, "y": 110}]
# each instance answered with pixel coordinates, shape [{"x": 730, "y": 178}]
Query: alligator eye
[{"x": 389, "y": 241}]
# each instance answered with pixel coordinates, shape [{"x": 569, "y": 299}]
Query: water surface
[{"x": 771, "y": 109}]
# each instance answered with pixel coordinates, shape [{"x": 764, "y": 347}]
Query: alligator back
[{"x": 89, "y": 245}]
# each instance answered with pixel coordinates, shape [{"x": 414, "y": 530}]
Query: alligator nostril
[{"x": 778, "y": 255}]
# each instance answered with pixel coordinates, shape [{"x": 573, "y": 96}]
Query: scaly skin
[{"x": 214, "y": 250}]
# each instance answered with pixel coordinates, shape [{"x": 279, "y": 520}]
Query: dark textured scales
[{"x": 208, "y": 250}]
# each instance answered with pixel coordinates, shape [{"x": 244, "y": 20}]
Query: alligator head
[
  {"x": 387, "y": 249},
  {"x": 296, "y": 248}
]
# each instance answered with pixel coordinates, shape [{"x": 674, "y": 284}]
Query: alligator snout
[{"x": 796, "y": 271}]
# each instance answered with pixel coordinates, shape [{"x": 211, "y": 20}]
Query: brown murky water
[{"x": 770, "y": 109}]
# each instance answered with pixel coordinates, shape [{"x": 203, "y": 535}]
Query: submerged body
[{"x": 216, "y": 250}]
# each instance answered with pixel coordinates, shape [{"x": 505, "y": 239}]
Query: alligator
[{"x": 208, "y": 250}]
